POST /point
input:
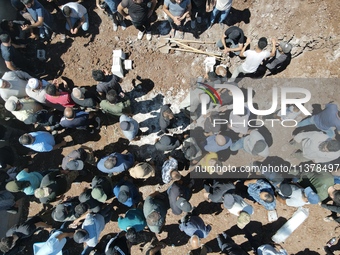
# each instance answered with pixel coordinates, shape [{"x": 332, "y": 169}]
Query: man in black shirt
[
  {"x": 139, "y": 14},
  {"x": 232, "y": 41},
  {"x": 19, "y": 232}
]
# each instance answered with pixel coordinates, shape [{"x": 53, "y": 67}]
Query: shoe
[
  {"x": 148, "y": 35},
  {"x": 63, "y": 38},
  {"x": 98, "y": 121},
  {"x": 193, "y": 24},
  {"x": 123, "y": 25},
  {"x": 328, "y": 219},
  {"x": 115, "y": 27},
  {"x": 140, "y": 35},
  {"x": 199, "y": 20}
]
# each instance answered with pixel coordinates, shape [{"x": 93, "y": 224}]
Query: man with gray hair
[{"x": 116, "y": 163}]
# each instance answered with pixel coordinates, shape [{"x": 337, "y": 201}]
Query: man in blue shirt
[
  {"x": 126, "y": 193},
  {"x": 261, "y": 192},
  {"x": 116, "y": 163},
  {"x": 134, "y": 218},
  {"x": 40, "y": 141},
  {"x": 91, "y": 228},
  {"x": 43, "y": 19}
]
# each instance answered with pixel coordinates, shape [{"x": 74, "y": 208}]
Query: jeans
[
  {"x": 215, "y": 12},
  {"x": 112, "y": 4},
  {"x": 310, "y": 121},
  {"x": 85, "y": 25}
]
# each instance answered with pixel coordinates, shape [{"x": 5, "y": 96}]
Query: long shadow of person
[
  {"x": 237, "y": 16},
  {"x": 175, "y": 236}
]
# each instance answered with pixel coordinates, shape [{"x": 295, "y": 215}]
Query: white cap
[{"x": 33, "y": 83}]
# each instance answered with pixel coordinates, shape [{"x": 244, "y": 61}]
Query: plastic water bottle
[
  {"x": 293, "y": 223},
  {"x": 331, "y": 242}
]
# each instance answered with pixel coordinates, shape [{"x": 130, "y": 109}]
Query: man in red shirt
[{"x": 56, "y": 96}]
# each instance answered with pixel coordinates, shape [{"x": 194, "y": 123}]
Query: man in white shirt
[
  {"x": 254, "y": 58},
  {"x": 76, "y": 17}
]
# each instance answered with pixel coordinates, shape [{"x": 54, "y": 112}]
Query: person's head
[
  {"x": 42, "y": 192},
  {"x": 228, "y": 201},
  {"x": 7, "y": 243},
  {"x": 262, "y": 43},
  {"x": 285, "y": 47},
  {"x": 13, "y": 104},
  {"x": 259, "y": 147},
  {"x": 34, "y": 84},
  {"x": 329, "y": 146},
  {"x": 99, "y": 194},
  {"x": 5, "y": 38},
  {"x": 266, "y": 196},
  {"x": 126, "y": 126},
  {"x": 17, "y": 186},
  {"x": 110, "y": 162},
  {"x": 153, "y": 218},
  {"x": 81, "y": 209},
  {"x": 124, "y": 194},
  {"x": 175, "y": 175},
  {"x": 26, "y": 139},
  {"x": 78, "y": 93},
  {"x": 286, "y": 189},
  {"x": 168, "y": 114},
  {"x": 28, "y": 3},
  {"x": 195, "y": 242},
  {"x": 335, "y": 196},
  {"x": 111, "y": 96},
  {"x": 183, "y": 204},
  {"x": 138, "y": 1},
  {"x": 131, "y": 235},
  {"x": 234, "y": 35},
  {"x": 69, "y": 113},
  {"x": 67, "y": 11},
  {"x": 51, "y": 90},
  {"x": 4, "y": 84},
  {"x": 98, "y": 75},
  {"x": 5, "y": 25},
  {"x": 220, "y": 140},
  {"x": 81, "y": 236},
  {"x": 243, "y": 219}
]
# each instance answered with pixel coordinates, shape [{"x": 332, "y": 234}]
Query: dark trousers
[{"x": 143, "y": 25}]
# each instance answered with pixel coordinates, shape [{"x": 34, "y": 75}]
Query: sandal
[{"x": 328, "y": 219}]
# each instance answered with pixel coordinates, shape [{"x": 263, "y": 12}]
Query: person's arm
[
  {"x": 11, "y": 66},
  {"x": 120, "y": 9},
  {"x": 245, "y": 47},
  {"x": 64, "y": 235},
  {"x": 68, "y": 20},
  {"x": 81, "y": 22},
  {"x": 59, "y": 145},
  {"x": 272, "y": 53},
  {"x": 39, "y": 23},
  {"x": 152, "y": 8},
  {"x": 247, "y": 182},
  {"x": 98, "y": 5},
  {"x": 23, "y": 75},
  {"x": 42, "y": 224},
  {"x": 187, "y": 12},
  {"x": 167, "y": 12}
]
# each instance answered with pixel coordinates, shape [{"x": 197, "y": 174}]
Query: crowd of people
[{"x": 50, "y": 107}]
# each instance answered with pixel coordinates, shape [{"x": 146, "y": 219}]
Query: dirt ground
[{"x": 311, "y": 26}]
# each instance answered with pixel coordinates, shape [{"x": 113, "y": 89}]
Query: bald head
[
  {"x": 220, "y": 140},
  {"x": 69, "y": 113},
  {"x": 195, "y": 242}
]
